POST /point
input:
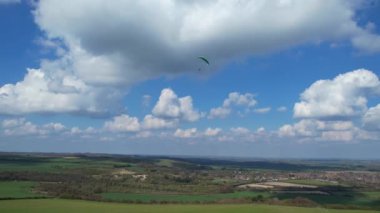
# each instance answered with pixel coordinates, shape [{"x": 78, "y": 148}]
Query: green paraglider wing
[{"x": 204, "y": 59}]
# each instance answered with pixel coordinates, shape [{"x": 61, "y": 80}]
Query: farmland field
[
  {"x": 58, "y": 205},
  {"x": 17, "y": 189},
  {"x": 146, "y": 198},
  {"x": 152, "y": 181}
]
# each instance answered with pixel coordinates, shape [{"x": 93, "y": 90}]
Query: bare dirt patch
[
  {"x": 123, "y": 172},
  {"x": 255, "y": 186},
  {"x": 289, "y": 185}
]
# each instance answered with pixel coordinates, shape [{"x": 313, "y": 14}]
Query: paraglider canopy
[{"x": 204, "y": 59}]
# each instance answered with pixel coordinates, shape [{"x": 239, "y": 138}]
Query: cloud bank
[{"x": 99, "y": 57}]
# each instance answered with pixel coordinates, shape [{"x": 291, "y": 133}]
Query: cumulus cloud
[
  {"x": 210, "y": 132},
  {"x": 316, "y": 130},
  {"x": 237, "y": 99},
  {"x": 22, "y": 127},
  {"x": 337, "y": 135},
  {"x": 331, "y": 110},
  {"x": 371, "y": 118},
  {"x": 170, "y": 106},
  {"x": 83, "y": 132},
  {"x": 234, "y": 99},
  {"x": 219, "y": 112},
  {"x": 168, "y": 112},
  {"x": 243, "y": 134},
  {"x": 152, "y": 122},
  {"x": 186, "y": 133},
  {"x": 282, "y": 109},
  {"x": 344, "y": 96},
  {"x": 367, "y": 42},
  {"x": 262, "y": 110},
  {"x": 123, "y": 123},
  {"x": 240, "y": 130},
  {"x": 305, "y": 128},
  {"x": 42, "y": 92},
  {"x": 260, "y": 130},
  {"x": 127, "y": 123},
  {"x": 142, "y": 40}
]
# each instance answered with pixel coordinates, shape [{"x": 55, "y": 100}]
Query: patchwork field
[
  {"x": 163, "y": 184},
  {"x": 58, "y": 206},
  {"x": 17, "y": 189}
]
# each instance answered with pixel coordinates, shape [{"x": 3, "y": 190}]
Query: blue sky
[{"x": 286, "y": 78}]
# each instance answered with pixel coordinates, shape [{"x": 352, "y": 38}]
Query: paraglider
[{"x": 204, "y": 60}]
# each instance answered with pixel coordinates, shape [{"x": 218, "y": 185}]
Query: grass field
[
  {"x": 372, "y": 195},
  {"x": 58, "y": 206},
  {"x": 145, "y": 198},
  {"x": 165, "y": 162},
  {"x": 17, "y": 189}
]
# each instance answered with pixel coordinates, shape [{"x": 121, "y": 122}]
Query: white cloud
[
  {"x": 19, "y": 127},
  {"x": 126, "y": 123},
  {"x": 22, "y": 127},
  {"x": 243, "y": 134},
  {"x": 282, "y": 109},
  {"x": 367, "y": 42},
  {"x": 316, "y": 130},
  {"x": 260, "y": 130},
  {"x": 371, "y": 118},
  {"x": 234, "y": 99},
  {"x": 263, "y": 110},
  {"x": 286, "y": 130},
  {"x": 144, "y": 134},
  {"x": 152, "y": 122},
  {"x": 240, "y": 130},
  {"x": 330, "y": 110},
  {"x": 42, "y": 92},
  {"x": 123, "y": 123},
  {"x": 10, "y": 123},
  {"x": 169, "y": 106},
  {"x": 210, "y": 132},
  {"x": 338, "y": 136},
  {"x": 344, "y": 96},
  {"x": 237, "y": 99},
  {"x": 186, "y": 133},
  {"x": 219, "y": 112},
  {"x": 87, "y": 131},
  {"x": 57, "y": 127},
  {"x": 145, "y": 39},
  {"x": 75, "y": 130}
]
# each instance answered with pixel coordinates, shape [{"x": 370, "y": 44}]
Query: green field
[
  {"x": 57, "y": 206},
  {"x": 145, "y": 198},
  {"x": 165, "y": 162},
  {"x": 17, "y": 189},
  {"x": 372, "y": 195}
]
